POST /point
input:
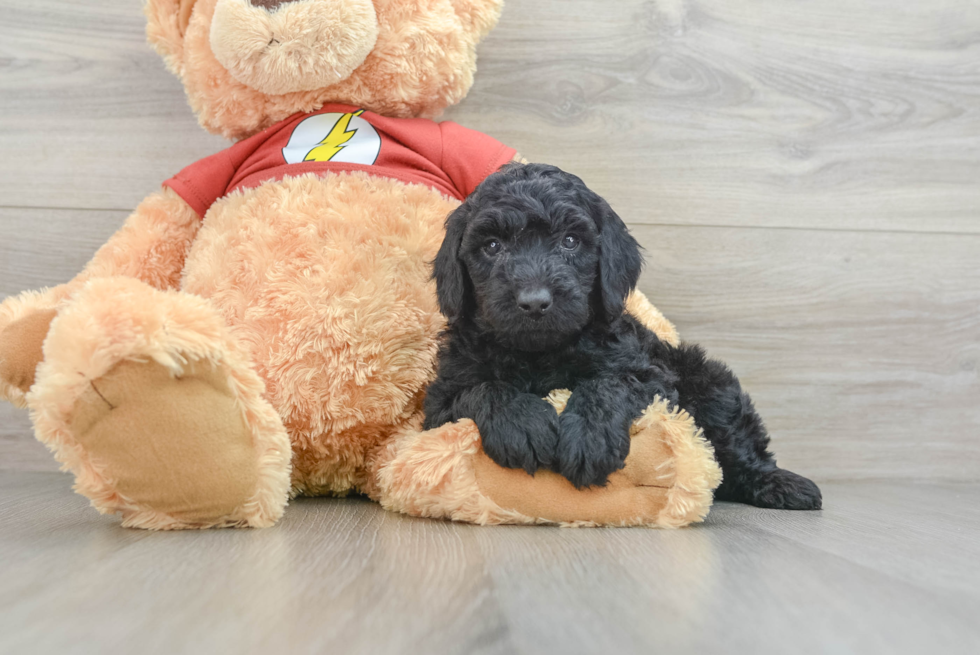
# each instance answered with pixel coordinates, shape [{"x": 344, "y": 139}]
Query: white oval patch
[{"x": 335, "y": 137}]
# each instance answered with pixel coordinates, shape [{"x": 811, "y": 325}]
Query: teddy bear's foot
[
  {"x": 24, "y": 322},
  {"x": 147, "y": 399},
  {"x": 175, "y": 447},
  {"x": 20, "y": 352},
  {"x": 667, "y": 481}
]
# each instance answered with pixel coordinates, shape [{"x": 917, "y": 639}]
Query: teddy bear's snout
[{"x": 282, "y": 46}]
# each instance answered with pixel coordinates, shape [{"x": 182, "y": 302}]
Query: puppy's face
[
  {"x": 532, "y": 260},
  {"x": 533, "y": 256}
]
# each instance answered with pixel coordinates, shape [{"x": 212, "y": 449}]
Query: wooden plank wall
[{"x": 805, "y": 178}]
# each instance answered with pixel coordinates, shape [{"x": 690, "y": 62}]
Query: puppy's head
[{"x": 533, "y": 256}]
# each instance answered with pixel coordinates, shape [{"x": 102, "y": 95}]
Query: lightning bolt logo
[{"x": 336, "y": 140}]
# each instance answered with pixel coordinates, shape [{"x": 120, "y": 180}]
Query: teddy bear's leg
[
  {"x": 443, "y": 473},
  {"x": 150, "y": 246},
  {"x": 643, "y": 310},
  {"x": 147, "y": 398}
]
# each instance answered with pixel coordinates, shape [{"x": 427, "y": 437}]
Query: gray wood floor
[{"x": 887, "y": 568}]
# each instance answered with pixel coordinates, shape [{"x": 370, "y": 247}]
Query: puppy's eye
[
  {"x": 492, "y": 247},
  {"x": 569, "y": 242}
]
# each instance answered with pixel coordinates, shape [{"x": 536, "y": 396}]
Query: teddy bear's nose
[
  {"x": 282, "y": 46},
  {"x": 271, "y": 5}
]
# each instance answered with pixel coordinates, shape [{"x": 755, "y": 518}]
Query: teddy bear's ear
[
  {"x": 478, "y": 15},
  {"x": 166, "y": 22}
]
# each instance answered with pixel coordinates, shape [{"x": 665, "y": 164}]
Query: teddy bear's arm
[
  {"x": 478, "y": 16},
  {"x": 150, "y": 246},
  {"x": 643, "y": 310}
]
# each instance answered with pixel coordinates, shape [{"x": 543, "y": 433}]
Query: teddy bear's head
[{"x": 247, "y": 64}]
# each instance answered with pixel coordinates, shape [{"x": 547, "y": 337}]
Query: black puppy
[{"x": 533, "y": 277}]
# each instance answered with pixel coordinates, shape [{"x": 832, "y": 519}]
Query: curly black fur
[{"x": 533, "y": 277}]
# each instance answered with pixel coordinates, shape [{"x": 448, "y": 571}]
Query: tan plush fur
[
  {"x": 151, "y": 245},
  {"x": 198, "y": 373},
  {"x": 639, "y": 306},
  {"x": 696, "y": 474},
  {"x": 20, "y": 348},
  {"x": 431, "y": 474},
  {"x": 90, "y": 337},
  {"x": 13, "y": 310},
  {"x": 346, "y": 259},
  {"x": 303, "y": 45}
]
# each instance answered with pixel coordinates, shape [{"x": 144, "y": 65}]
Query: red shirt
[{"x": 445, "y": 156}]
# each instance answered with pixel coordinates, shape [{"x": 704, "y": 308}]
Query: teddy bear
[{"x": 265, "y": 325}]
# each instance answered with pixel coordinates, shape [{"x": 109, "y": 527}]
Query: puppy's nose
[{"x": 534, "y": 301}]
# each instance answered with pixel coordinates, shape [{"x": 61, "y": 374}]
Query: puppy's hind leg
[{"x": 711, "y": 393}]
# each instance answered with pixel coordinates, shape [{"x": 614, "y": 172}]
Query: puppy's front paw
[
  {"x": 588, "y": 451},
  {"x": 524, "y": 436}
]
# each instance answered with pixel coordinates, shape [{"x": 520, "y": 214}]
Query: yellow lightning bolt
[{"x": 335, "y": 141}]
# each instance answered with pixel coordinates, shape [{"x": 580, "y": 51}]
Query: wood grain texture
[
  {"x": 842, "y": 114},
  {"x": 343, "y": 575},
  {"x": 19, "y": 450},
  {"x": 860, "y": 349},
  {"x": 804, "y": 177},
  {"x": 832, "y": 114},
  {"x": 47, "y": 247},
  {"x": 90, "y": 116}
]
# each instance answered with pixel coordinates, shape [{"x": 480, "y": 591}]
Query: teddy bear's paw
[
  {"x": 21, "y": 344},
  {"x": 174, "y": 448},
  {"x": 24, "y": 323},
  {"x": 148, "y": 399}
]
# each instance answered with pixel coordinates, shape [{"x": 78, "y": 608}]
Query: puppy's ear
[
  {"x": 620, "y": 260},
  {"x": 452, "y": 281}
]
